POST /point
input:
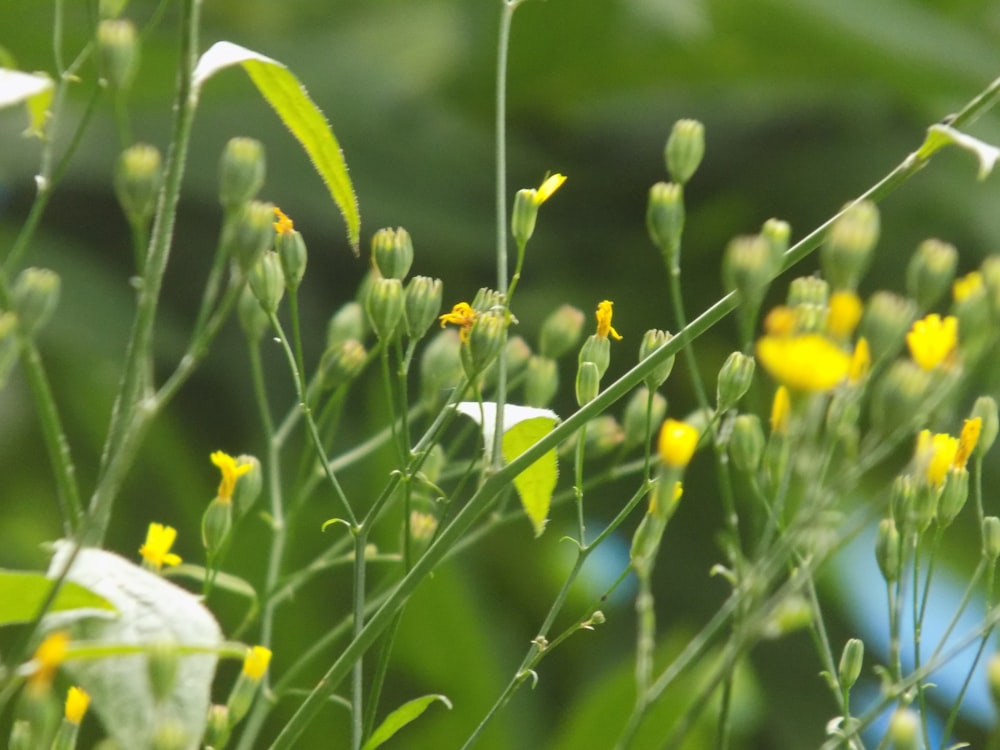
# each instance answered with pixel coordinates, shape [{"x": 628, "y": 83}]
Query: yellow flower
[
  {"x": 547, "y": 188},
  {"x": 843, "y": 314},
  {"x": 256, "y": 662},
  {"x": 967, "y": 286},
  {"x": 935, "y": 455},
  {"x": 156, "y": 550},
  {"x": 806, "y": 362},
  {"x": 461, "y": 315},
  {"x": 283, "y": 225},
  {"x": 678, "y": 441},
  {"x": 604, "y": 326},
  {"x": 77, "y": 702},
  {"x": 781, "y": 407},
  {"x": 231, "y": 471},
  {"x": 861, "y": 362},
  {"x": 780, "y": 321},
  {"x": 51, "y": 652},
  {"x": 932, "y": 340},
  {"x": 967, "y": 441}
]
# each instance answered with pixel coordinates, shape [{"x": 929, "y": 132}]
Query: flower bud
[
  {"x": 791, "y": 614},
  {"x": 735, "y": 378},
  {"x": 887, "y": 550},
  {"x": 646, "y": 542},
  {"x": 216, "y": 523},
  {"x": 746, "y": 445},
  {"x": 423, "y": 303},
  {"x": 636, "y": 424},
  {"x": 541, "y": 381},
  {"x": 560, "y": 332},
  {"x": 341, "y": 363},
  {"x": 241, "y": 172},
  {"x": 162, "y": 661},
  {"x": 588, "y": 383},
  {"x": 249, "y": 487},
  {"x": 253, "y": 319},
  {"x": 138, "y": 175},
  {"x": 930, "y": 272},
  {"x": 776, "y": 234},
  {"x": 267, "y": 282},
  {"x": 665, "y": 218},
  {"x": 677, "y": 443},
  {"x": 685, "y": 149},
  {"x": 254, "y": 666},
  {"x": 901, "y": 499},
  {"x": 975, "y": 317},
  {"x": 847, "y": 251},
  {"x": 249, "y": 235},
  {"x": 991, "y": 538},
  {"x": 118, "y": 53},
  {"x": 953, "y": 497},
  {"x": 385, "y": 306},
  {"x": 487, "y": 300},
  {"x": 887, "y": 317},
  {"x": 985, "y": 409},
  {"x": 440, "y": 368},
  {"x": 392, "y": 252},
  {"x": 990, "y": 271},
  {"x": 35, "y": 297},
  {"x": 747, "y": 268},
  {"x": 810, "y": 291},
  {"x": 291, "y": 250},
  {"x": 218, "y": 727},
  {"x": 170, "y": 734},
  {"x": 515, "y": 356},
  {"x": 597, "y": 351},
  {"x": 904, "y": 730},
  {"x": 347, "y": 323},
  {"x": 652, "y": 340},
  {"x": 899, "y": 395},
  {"x": 851, "y": 660},
  {"x": 486, "y": 339},
  {"x": 524, "y": 215}
]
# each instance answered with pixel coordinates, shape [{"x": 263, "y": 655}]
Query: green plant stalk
[
  {"x": 358, "y": 676},
  {"x": 917, "y": 631},
  {"x": 581, "y": 440}
]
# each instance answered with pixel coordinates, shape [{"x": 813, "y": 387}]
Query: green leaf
[
  {"x": 299, "y": 113},
  {"x": 34, "y": 89},
  {"x": 523, "y": 426},
  {"x": 400, "y": 718},
  {"x": 22, "y": 594}
]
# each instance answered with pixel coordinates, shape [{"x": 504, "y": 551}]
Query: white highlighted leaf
[
  {"x": 33, "y": 89},
  {"x": 943, "y": 135}
]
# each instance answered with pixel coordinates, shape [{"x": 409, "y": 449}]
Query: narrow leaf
[
  {"x": 22, "y": 594},
  {"x": 289, "y": 99},
  {"x": 34, "y": 89},
  {"x": 400, "y": 718}
]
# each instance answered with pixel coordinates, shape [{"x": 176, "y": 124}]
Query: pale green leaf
[
  {"x": 22, "y": 594},
  {"x": 33, "y": 89},
  {"x": 289, "y": 99},
  {"x": 400, "y": 718}
]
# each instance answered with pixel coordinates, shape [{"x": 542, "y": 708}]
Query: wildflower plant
[{"x": 841, "y": 414}]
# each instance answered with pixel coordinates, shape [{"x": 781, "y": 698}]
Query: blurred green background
[{"x": 806, "y": 103}]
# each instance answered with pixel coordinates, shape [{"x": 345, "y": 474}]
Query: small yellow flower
[
  {"x": 780, "y": 321},
  {"x": 49, "y": 655},
  {"x": 967, "y": 286},
  {"x": 256, "y": 662},
  {"x": 932, "y": 340},
  {"x": 461, "y": 315},
  {"x": 861, "y": 362},
  {"x": 935, "y": 455},
  {"x": 967, "y": 441},
  {"x": 677, "y": 443},
  {"x": 77, "y": 702},
  {"x": 231, "y": 471},
  {"x": 548, "y": 187},
  {"x": 283, "y": 225},
  {"x": 806, "y": 362},
  {"x": 843, "y": 314},
  {"x": 781, "y": 408},
  {"x": 156, "y": 550},
  {"x": 604, "y": 326}
]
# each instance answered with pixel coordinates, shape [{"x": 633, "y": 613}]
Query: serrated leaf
[
  {"x": 289, "y": 99},
  {"x": 22, "y": 594},
  {"x": 523, "y": 426},
  {"x": 33, "y": 89},
  {"x": 400, "y": 718}
]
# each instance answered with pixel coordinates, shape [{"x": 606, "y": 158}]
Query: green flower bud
[
  {"x": 685, "y": 149},
  {"x": 253, "y": 319},
  {"x": 809, "y": 290},
  {"x": 886, "y": 319},
  {"x": 746, "y": 445},
  {"x": 851, "y": 660},
  {"x": 924, "y": 508},
  {"x": 637, "y": 428},
  {"x": 986, "y": 409},
  {"x": 423, "y": 303},
  {"x": 440, "y": 369},
  {"x": 250, "y": 234},
  {"x": 249, "y": 487},
  {"x": 523, "y": 216},
  {"x": 847, "y": 251},
  {"x": 604, "y": 435},
  {"x": 347, "y": 323},
  {"x": 561, "y": 332},
  {"x": 652, "y": 340},
  {"x": 646, "y": 543},
  {"x": 776, "y": 234},
  {"x": 990, "y": 270},
  {"x": 904, "y": 730},
  {"x": 991, "y": 538},
  {"x": 170, "y": 734},
  {"x": 241, "y": 172},
  {"x": 291, "y": 249},
  {"x": 930, "y": 272},
  {"x": 541, "y": 381},
  {"x": 267, "y": 282},
  {"x": 735, "y": 378},
  {"x": 899, "y": 395},
  {"x": 516, "y": 354},
  {"x": 341, "y": 363},
  {"x": 385, "y": 307},
  {"x": 747, "y": 268},
  {"x": 975, "y": 319},
  {"x": 21, "y": 736},
  {"x": 953, "y": 497},
  {"x": 665, "y": 219},
  {"x": 216, "y": 523},
  {"x": 118, "y": 53},
  {"x": 588, "y": 383},
  {"x": 392, "y": 253},
  {"x": 487, "y": 300},
  {"x": 138, "y": 175},
  {"x": 486, "y": 339},
  {"x": 35, "y": 297},
  {"x": 597, "y": 351},
  {"x": 888, "y": 550},
  {"x": 218, "y": 728},
  {"x": 162, "y": 661}
]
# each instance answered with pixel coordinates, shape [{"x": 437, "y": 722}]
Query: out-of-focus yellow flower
[
  {"x": 77, "y": 702},
  {"x": 283, "y": 225},
  {"x": 967, "y": 441},
  {"x": 861, "y": 362},
  {"x": 256, "y": 662},
  {"x": 156, "y": 549},
  {"x": 780, "y": 321},
  {"x": 932, "y": 340},
  {"x": 49, "y": 655},
  {"x": 935, "y": 455},
  {"x": 806, "y": 362},
  {"x": 548, "y": 187},
  {"x": 231, "y": 471},
  {"x": 677, "y": 443},
  {"x": 844, "y": 313},
  {"x": 966, "y": 286},
  {"x": 604, "y": 327}
]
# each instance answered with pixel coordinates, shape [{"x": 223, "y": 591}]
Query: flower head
[
  {"x": 283, "y": 225},
  {"x": 678, "y": 441},
  {"x": 604, "y": 326},
  {"x": 49, "y": 655},
  {"x": 804, "y": 362},
  {"x": 967, "y": 441},
  {"x": 932, "y": 340},
  {"x": 77, "y": 702},
  {"x": 967, "y": 286},
  {"x": 156, "y": 550},
  {"x": 231, "y": 471},
  {"x": 256, "y": 662},
  {"x": 935, "y": 455},
  {"x": 548, "y": 187},
  {"x": 461, "y": 315},
  {"x": 844, "y": 313}
]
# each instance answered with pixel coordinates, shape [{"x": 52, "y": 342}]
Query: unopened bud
[
  {"x": 597, "y": 351},
  {"x": 138, "y": 175},
  {"x": 218, "y": 727},
  {"x": 887, "y": 550},
  {"x": 385, "y": 306},
  {"x": 392, "y": 252},
  {"x": 991, "y": 538},
  {"x": 253, "y": 319},
  {"x": 347, "y": 323},
  {"x": 735, "y": 378},
  {"x": 641, "y": 415},
  {"x": 746, "y": 445},
  {"x": 930, "y": 272},
  {"x": 486, "y": 339},
  {"x": 953, "y": 496},
  {"x": 341, "y": 363},
  {"x": 665, "y": 218},
  {"x": 524, "y": 215},
  {"x": 685, "y": 149},
  {"x": 541, "y": 381},
  {"x": 747, "y": 268},
  {"x": 904, "y": 730},
  {"x": 268, "y": 282},
  {"x": 561, "y": 331},
  {"x": 118, "y": 52},
  {"x": 216, "y": 523},
  {"x": 249, "y": 487},
  {"x": 162, "y": 661},
  {"x": 250, "y": 234},
  {"x": 588, "y": 383},
  {"x": 652, "y": 340},
  {"x": 423, "y": 303},
  {"x": 35, "y": 297},
  {"x": 440, "y": 368},
  {"x": 985, "y": 409},
  {"x": 291, "y": 249},
  {"x": 810, "y": 291},
  {"x": 776, "y": 233},
  {"x": 241, "y": 172},
  {"x": 851, "y": 660},
  {"x": 847, "y": 251},
  {"x": 887, "y": 317}
]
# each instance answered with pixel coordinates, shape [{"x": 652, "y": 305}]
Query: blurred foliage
[{"x": 805, "y": 102}]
